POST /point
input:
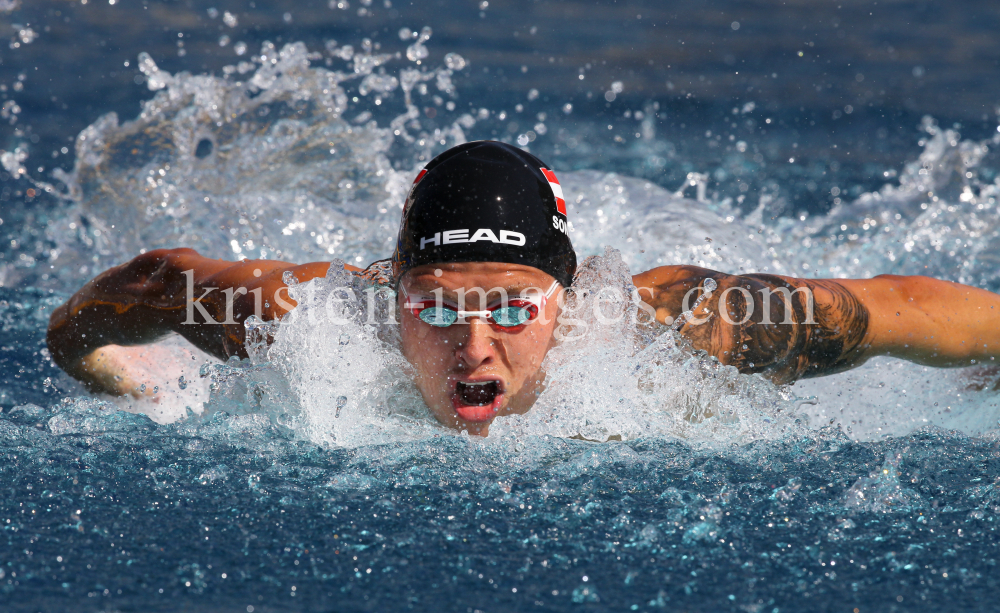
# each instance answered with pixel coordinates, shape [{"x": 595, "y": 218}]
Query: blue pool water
[{"x": 739, "y": 136}]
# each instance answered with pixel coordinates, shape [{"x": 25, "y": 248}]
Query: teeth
[{"x": 477, "y": 383}]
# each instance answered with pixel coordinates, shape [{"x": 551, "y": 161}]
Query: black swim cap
[{"x": 486, "y": 201}]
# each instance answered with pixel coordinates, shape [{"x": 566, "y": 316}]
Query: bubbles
[
  {"x": 327, "y": 200},
  {"x": 344, "y": 197},
  {"x": 328, "y": 376},
  {"x": 155, "y": 78},
  {"x": 230, "y": 20},
  {"x": 378, "y": 83},
  {"x": 345, "y": 53},
  {"x": 290, "y": 178},
  {"x": 13, "y": 161},
  {"x": 693, "y": 456},
  {"x": 26, "y": 35},
  {"x": 612, "y": 378},
  {"x": 611, "y": 94},
  {"x": 454, "y": 61},
  {"x": 882, "y": 491},
  {"x": 417, "y": 51}
]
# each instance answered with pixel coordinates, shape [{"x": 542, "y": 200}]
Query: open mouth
[{"x": 477, "y": 400}]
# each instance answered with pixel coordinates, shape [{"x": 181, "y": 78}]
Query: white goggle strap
[
  {"x": 482, "y": 314},
  {"x": 406, "y": 297},
  {"x": 548, "y": 294}
]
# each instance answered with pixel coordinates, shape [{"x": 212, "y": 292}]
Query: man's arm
[
  {"x": 788, "y": 328},
  {"x": 930, "y": 321},
  {"x": 163, "y": 291}
]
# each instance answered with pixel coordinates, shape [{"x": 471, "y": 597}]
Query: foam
[{"x": 289, "y": 176}]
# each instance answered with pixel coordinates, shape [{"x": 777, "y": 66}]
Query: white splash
[{"x": 262, "y": 162}]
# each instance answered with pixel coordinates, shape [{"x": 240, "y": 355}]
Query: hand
[{"x": 124, "y": 371}]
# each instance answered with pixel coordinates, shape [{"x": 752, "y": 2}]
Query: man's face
[{"x": 469, "y": 373}]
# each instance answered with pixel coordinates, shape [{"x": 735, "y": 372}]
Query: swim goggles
[{"x": 509, "y": 316}]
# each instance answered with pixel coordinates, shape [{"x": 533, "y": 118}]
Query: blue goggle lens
[
  {"x": 505, "y": 317},
  {"x": 438, "y": 316},
  {"x": 510, "y": 316}
]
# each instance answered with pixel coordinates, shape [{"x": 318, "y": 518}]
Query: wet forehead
[{"x": 470, "y": 276}]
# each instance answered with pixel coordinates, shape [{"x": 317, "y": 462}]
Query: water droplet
[
  {"x": 204, "y": 149},
  {"x": 454, "y": 61},
  {"x": 415, "y": 52}
]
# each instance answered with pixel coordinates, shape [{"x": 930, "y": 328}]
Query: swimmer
[{"x": 481, "y": 264}]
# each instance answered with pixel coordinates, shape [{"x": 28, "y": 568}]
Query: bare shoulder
[{"x": 225, "y": 273}]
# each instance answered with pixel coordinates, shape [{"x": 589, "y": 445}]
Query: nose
[{"x": 478, "y": 347}]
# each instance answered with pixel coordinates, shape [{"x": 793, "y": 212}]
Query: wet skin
[
  {"x": 924, "y": 320},
  {"x": 476, "y": 351},
  {"x": 929, "y": 321}
]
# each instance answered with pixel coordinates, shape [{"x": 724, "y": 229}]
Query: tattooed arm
[
  {"x": 91, "y": 336},
  {"x": 788, "y": 328}
]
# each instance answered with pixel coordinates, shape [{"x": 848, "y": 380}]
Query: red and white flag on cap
[
  {"x": 556, "y": 189},
  {"x": 409, "y": 196}
]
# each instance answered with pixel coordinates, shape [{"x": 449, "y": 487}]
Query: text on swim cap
[{"x": 451, "y": 237}]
